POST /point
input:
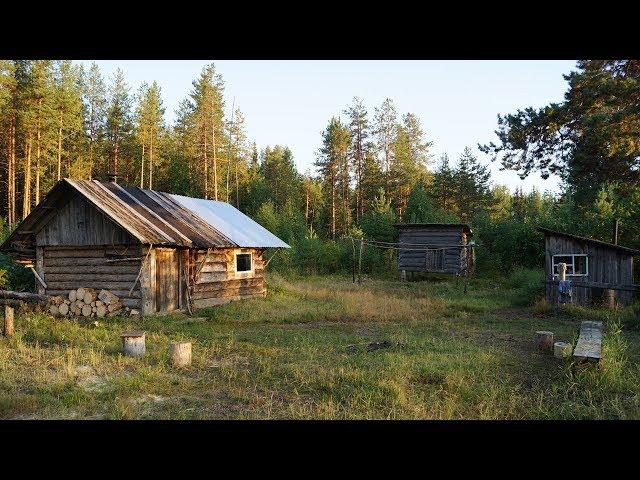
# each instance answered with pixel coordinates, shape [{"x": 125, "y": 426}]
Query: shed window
[
  {"x": 243, "y": 262},
  {"x": 577, "y": 264}
]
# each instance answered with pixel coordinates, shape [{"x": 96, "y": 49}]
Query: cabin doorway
[{"x": 167, "y": 279}]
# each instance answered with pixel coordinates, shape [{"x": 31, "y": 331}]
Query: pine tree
[
  {"x": 282, "y": 179},
  {"x": 372, "y": 179},
  {"x": 237, "y": 165},
  {"x": 472, "y": 185},
  {"x": 385, "y": 131},
  {"x": 119, "y": 123},
  {"x": 444, "y": 186},
  {"x": 95, "y": 104},
  {"x": 69, "y": 115},
  {"x": 207, "y": 126},
  {"x": 332, "y": 158},
  {"x": 409, "y": 161},
  {"x": 8, "y": 126},
  {"x": 359, "y": 130},
  {"x": 149, "y": 129}
]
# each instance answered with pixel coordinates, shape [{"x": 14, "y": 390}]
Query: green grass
[{"x": 452, "y": 356}]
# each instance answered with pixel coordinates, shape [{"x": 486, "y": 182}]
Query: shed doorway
[{"x": 167, "y": 279}]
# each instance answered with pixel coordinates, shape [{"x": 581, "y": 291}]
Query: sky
[{"x": 290, "y": 102}]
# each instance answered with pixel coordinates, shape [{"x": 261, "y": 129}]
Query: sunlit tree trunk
[
  {"x": 26, "y": 194},
  {"x": 60, "y": 147}
]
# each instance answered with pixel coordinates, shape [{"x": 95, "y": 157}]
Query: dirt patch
[
  {"x": 25, "y": 416},
  {"x": 93, "y": 383},
  {"x": 149, "y": 398}
]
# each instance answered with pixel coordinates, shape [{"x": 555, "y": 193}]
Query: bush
[{"x": 528, "y": 285}]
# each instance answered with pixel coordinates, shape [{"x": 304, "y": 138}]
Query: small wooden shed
[
  {"x": 158, "y": 252},
  {"x": 435, "y": 247},
  {"x": 600, "y": 272}
]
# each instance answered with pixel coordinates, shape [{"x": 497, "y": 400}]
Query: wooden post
[
  {"x": 403, "y": 275},
  {"x": 180, "y": 354},
  {"x": 609, "y": 296},
  {"x": 133, "y": 344},
  {"x": 360, "y": 262},
  {"x": 40, "y": 282},
  {"x": 544, "y": 340},
  {"x": 8, "y": 320},
  {"x": 148, "y": 282}
]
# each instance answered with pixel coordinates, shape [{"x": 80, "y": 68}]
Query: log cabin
[
  {"x": 435, "y": 247},
  {"x": 158, "y": 252},
  {"x": 601, "y": 273}
]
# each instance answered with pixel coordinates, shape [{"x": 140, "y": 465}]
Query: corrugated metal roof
[
  {"x": 466, "y": 228},
  {"x": 600, "y": 243},
  {"x": 230, "y": 221},
  {"x": 152, "y": 217}
]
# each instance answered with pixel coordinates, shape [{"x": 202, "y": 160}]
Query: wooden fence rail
[{"x": 608, "y": 286}]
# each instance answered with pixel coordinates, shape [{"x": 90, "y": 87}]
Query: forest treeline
[{"x": 373, "y": 168}]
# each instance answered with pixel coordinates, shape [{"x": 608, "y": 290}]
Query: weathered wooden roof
[
  {"x": 152, "y": 217},
  {"x": 435, "y": 226},
  {"x": 600, "y": 243}
]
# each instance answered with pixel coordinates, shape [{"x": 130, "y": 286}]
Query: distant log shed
[
  {"x": 156, "y": 251},
  {"x": 435, "y": 247},
  {"x": 600, "y": 272}
]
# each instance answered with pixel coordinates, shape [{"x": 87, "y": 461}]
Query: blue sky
[{"x": 290, "y": 102}]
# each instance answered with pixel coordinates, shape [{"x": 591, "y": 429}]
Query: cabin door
[
  {"x": 434, "y": 260},
  {"x": 167, "y": 279}
]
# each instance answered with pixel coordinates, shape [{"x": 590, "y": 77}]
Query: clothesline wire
[{"x": 407, "y": 246}]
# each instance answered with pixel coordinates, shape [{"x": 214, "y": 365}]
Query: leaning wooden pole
[{"x": 24, "y": 296}]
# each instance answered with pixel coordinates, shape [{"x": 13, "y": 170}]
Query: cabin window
[
  {"x": 577, "y": 264},
  {"x": 243, "y": 262}
]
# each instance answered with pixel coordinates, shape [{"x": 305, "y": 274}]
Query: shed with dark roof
[
  {"x": 600, "y": 272},
  {"x": 435, "y": 247},
  {"x": 157, "y": 251}
]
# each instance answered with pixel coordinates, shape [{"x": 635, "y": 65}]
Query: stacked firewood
[{"x": 86, "y": 302}]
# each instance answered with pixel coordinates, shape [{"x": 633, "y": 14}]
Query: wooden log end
[
  {"x": 544, "y": 340},
  {"x": 562, "y": 350},
  {"x": 180, "y": 354}
]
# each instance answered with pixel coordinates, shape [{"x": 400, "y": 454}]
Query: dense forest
[{"x": 58, "y": 119}]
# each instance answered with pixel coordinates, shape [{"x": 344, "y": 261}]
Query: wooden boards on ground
[{"x": 589, "y": 346}]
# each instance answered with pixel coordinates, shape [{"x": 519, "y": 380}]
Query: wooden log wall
[
  {"x": 80, "y": 223},
  {"x": 606, "y": 265},
  {"x": 416, "y": 261},
  {"x": 66, "y": 268},
  {"x": 219, "y": 283}
]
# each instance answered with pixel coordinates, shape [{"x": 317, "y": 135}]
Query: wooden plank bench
[{"x": 589, "y": 346}]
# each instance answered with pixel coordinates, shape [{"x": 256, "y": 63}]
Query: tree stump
[
  {"x": 8, "y": 321},
  {"x": 133, "y": 344},
  {"x": 544, "y": 341},
  {"x": 562, "y": 350},
  {"x": 180, "y": 353}
]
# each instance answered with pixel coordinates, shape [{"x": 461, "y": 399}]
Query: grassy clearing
[{"x": 452, "y": 356}]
